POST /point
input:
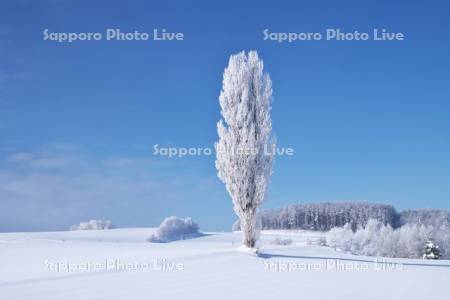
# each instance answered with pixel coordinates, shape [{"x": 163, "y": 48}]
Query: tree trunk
[
  {"x": 248, "y": 227},
  {"x": 249, "y": 240}
]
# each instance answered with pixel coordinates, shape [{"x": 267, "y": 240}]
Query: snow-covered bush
[
  {"x": 281, "y": 242},
  {"x": 93, "y": 225},
  {"x": 174, "y": 228},
  {"x": 316, "y": 241},
  {"x": 377, "y": 239}
]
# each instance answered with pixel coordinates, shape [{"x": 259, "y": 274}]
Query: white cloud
[
  {"x": 20, "y": 157},
  {"x": 50, "y": 156},
  {"x": 59, "y": 185}
]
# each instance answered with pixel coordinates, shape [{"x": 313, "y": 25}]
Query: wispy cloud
[
  {"x": 12, "y": 67},
  {"x": 58, "y": 185},
  {"x": 7, "y": 77}
]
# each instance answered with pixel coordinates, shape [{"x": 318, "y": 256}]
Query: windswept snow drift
[{"x": 173, "y": 229}]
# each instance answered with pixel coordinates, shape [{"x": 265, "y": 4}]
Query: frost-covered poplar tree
[{"x": 244, "y": 162}]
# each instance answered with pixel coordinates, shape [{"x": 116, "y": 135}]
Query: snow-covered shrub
[
  {"x": 340, "y": 238},
  {"x": 281, "y": 242},
  {"x": 174, "y": 228},
  {"x": 377, "y": 239},
  {"x": 93, "y": 225},
  {"x": 322, "y": 241},
  {"x": 317, "y": 241}
]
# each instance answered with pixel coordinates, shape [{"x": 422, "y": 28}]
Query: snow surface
[{"x": 208, "y": 267}]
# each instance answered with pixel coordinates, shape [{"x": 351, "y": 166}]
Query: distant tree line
[
  {"x": 325, "y": 216},
  {"x": 429, "y": 217}
]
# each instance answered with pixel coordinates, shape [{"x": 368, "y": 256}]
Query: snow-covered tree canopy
[{"x": 243, "y": 162}]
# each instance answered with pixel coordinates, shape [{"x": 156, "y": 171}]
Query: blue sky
[{"x": 369, "y": 120}]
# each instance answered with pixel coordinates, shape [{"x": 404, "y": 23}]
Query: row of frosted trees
[
  {"x": 430, "y": 217},
  {"x": 324, "y": 216}
]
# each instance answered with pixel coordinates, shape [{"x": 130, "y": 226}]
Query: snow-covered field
[{"x": 120, "y": 264}]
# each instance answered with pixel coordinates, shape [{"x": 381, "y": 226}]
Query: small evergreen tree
[{"x": 431, "y": 251}]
